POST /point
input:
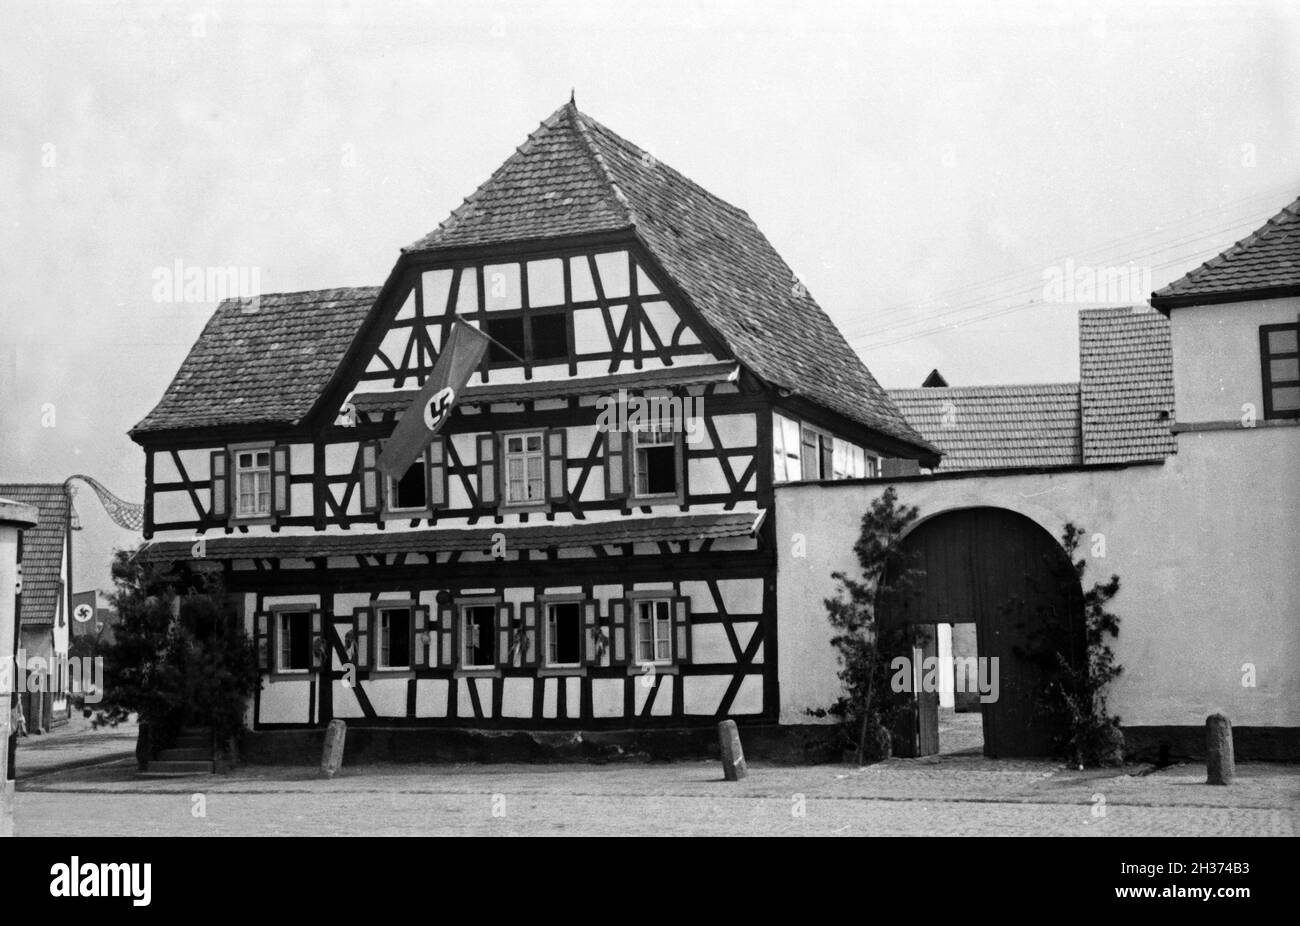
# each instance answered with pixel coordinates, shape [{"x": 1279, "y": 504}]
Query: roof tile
[{"x": 42, "y": 548}]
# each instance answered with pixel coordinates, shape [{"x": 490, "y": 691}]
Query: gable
[{"x": 604, "y": 303}]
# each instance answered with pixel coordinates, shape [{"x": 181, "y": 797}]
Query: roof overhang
[
  {"x": 1163, "y": 304},
  {"x": 668, "y": 377},
  {"x": 676, "y": 528}
]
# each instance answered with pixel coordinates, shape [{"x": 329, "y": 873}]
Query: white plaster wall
[
  {"x": 1217, "y": 359},
  {"x": 1204, "y": 544}
]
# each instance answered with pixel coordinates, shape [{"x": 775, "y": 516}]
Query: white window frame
[
  {"x": 236, "y": 471},
  {"x": 390, "y": 489},
  {"x": 658, "y": 429},
  {"x": 381, "y": 616},
  {"x": 546, "y": 605},
  {"x": 523, "y": 456},
  {"x": 659, "y": 660},
  {"x": 462, "y": 635},
  {"x": 282, "y": 616}
]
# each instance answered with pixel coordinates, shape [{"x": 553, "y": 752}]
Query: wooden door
[{"x": 1009, "y": 577}]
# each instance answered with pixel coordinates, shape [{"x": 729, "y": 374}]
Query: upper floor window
[
  {"x": 1279, "y": 347},
  {"x": 252, "y": 483},
  {"x": 525, "y": 469},
  {"x": 817, "y": 453},
  {"x": 411, "y": 492},
  {"x": 654, "y": 462},
  {"x": 538, "y": 338}
]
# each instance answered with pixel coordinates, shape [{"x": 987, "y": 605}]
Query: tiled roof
[
  {"x": 575, "y": 176},
  {"x": 1267, "y": 260},
  {"x": 529, "y": 537},
  {"x": 262, "y": 366},
  {"x": 997, "y": 427},
  {"x": 1126, "y": 376},
  {"x": 42, "y": 548},
  {"x": 1112, "y": 415}
]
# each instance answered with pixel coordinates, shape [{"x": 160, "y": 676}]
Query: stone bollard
[
  {"x": 332, "y": 756},
  {"x": 1219, "y": 764},
  {"x": 733, "y": 759}
]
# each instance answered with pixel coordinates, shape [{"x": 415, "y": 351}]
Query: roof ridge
[
  {"x": 576, "y": 119},
  {"x": 520, "y": 151}
]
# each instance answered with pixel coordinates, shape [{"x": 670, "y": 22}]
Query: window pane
[
  {"x": 1286, "y": 399},
  {"x": 550, "y": 337},
  {"x": 1284, "y": 371},
  {"x": 409, "y": 491},
  {"x": 479, "y": 636},
  {"x": 510, "y": 333},
  {"x": 397, "y": 636},
  {"x": 263, "y": 459},
  {"x": 564, "y": 633},
  {"x": 299, "y": 637},
  {"x": 656, "y": 470},
  {"x": 1282, "y": 342}
]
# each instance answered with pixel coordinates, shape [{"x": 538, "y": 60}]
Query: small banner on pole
[{"x": 461, "y": 354}]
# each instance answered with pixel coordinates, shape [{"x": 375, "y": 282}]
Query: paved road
[
  {"x": 946, "y": 795},
  {"x": 74, "y": 744}
]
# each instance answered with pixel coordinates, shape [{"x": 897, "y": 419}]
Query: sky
[{"x": 927, "y": 169}]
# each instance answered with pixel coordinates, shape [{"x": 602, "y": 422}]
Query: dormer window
[{"x": 1279, "y": 347}]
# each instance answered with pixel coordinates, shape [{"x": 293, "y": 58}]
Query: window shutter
[
  {"x": 437, "y": 474},
  {"x": 420, "y": 648},
  {"x": 682, "y": 629},
  {"x": 615, "y": 464},
  {"x": 262, "y": 632},
  {"x": 504, "y": 612},
  {"x": 808, "y": 455},
  {"x": 219, "y": 508},
  {"x": 557, "y": 466},
  {"x": 528, "y": 611},
  {"x": 828, "y": 458},
  {"x": 317, "y": 639},
  {"x": 369, "y": 477},
  {"x": 280, "y": 480},
  {"x": 487, "y": 470},
  {"x": 590, "y": 629},
  {"x": 361, "y": 622},
  {"x": 446, "y": 635},
  {"x": 620, "y": 641}
]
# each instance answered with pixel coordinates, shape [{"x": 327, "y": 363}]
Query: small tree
[
  {"x": 868, "y": 707},
  {"x": 179, "y": 655}
]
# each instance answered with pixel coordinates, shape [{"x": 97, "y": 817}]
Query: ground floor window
[
  {"x": 477, "y": 636},
  {"x": 393, "y": 644},
  {"x": 293, "y": 629},
  {"x": 654, "y": 631},
  {"x": 563, "y": 628}
]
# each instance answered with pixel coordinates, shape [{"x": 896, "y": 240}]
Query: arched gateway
[{"x": 1005, "y": 574}]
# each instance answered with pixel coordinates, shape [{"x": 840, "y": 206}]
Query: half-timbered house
[{"x": 589, "y": 542}]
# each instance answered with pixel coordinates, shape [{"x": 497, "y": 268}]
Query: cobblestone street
[{"x": 951, "y": 795}]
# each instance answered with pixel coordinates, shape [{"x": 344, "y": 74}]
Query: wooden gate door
[{"x": 1000, "y": 571}]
